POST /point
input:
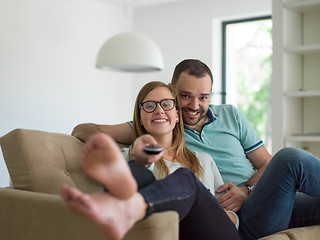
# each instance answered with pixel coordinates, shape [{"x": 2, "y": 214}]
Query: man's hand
[
  {"x": 137, "y": 153},
  {"x": 234, "y": 197}
]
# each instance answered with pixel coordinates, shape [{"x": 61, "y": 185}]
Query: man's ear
[{"x": 178, "y": 116}]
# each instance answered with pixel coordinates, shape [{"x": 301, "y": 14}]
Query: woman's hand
[{"x": 137, "y": 153}]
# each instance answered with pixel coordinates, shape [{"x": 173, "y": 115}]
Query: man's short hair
[{"x": 193, "y": 67}]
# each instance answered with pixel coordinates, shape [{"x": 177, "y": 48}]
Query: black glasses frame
[{"x": 156, "y": 105}]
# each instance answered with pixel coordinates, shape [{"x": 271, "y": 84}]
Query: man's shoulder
[{"x": 223, "y": 108}]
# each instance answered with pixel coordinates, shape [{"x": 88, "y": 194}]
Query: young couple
[
  {"x": 223, "y": 133},
  {"x": 157, "y": 114}
]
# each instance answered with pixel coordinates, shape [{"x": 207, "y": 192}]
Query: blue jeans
[
  {"x": 274, "y": 204},
  {"x": 200, "y": 214}
]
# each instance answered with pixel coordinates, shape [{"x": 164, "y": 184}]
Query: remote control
[{"x": 153, "y": 149}]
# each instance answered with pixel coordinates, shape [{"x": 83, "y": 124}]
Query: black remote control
[{"x": 153, "y": 149}]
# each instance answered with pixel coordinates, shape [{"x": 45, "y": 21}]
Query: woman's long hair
[{"x": 182, "y": 154}]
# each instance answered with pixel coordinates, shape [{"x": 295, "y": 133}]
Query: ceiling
[{"x": 140, "y": 3}]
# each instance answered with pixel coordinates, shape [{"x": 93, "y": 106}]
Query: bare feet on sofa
[
  {"x": 103, "y": 161},
  {"x": 114, "y": 216}
]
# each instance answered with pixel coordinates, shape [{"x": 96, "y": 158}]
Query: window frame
[{"x": 224, "y": 50}]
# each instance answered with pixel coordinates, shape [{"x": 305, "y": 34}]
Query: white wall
[
  {"x": 48, "y": 79},
  {"x": 48, "y": 50},
  {"x": 185, "y": 30}
]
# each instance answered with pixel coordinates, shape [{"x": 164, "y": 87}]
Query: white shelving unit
[
  {"x": 301, "y": 5},
  {"x": 304, "y": 49},
  {"x": 303, "y": 93},
  {"x": 296, "y": 75}
]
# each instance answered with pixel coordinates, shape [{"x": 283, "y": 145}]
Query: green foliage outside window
[{"x": 254, "y": 92}]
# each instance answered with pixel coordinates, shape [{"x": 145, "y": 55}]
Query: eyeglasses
[{"x": 151, "y": 106}]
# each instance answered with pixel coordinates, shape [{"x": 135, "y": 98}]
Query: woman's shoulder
[
  {"x": 201, "y": 154},
  {"x": 204, "y": 157}
]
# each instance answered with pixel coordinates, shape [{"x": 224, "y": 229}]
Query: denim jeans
[
  {"x": 200, "y": 214},
  {"x": 275, "y": 204}
]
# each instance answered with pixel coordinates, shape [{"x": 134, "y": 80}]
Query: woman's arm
[{"x": 233, "y": 217}]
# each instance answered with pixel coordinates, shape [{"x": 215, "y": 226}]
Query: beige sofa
[{"x": 38, "y": 163}]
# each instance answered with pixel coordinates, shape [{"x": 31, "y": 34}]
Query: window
[{"x": 246, "y": 70}]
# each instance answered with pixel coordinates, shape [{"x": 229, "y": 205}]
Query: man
[
  {"x": 207, "y": 130},
  {"x": 224, "y": 133}
]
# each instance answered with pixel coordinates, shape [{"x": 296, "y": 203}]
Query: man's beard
[{"x": 187, "y": 120}]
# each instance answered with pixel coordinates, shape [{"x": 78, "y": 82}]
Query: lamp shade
[{"x": 130, "y": 52}]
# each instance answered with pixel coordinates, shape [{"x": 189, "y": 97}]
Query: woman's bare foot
[
  {"x": 103, "y": 161},
  {"x": 114, "y": 216}
]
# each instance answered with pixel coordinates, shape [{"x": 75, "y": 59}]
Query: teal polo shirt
[{"x": 227, "y": 137}]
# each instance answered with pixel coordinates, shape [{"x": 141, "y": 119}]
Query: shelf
[
  {"x": 303, "y": 138},
  {"x": 304, "y": 49},
  {"x": 303, "y": 6},
  {"x": 296, "y": 75},
  {"x": 303, "y": 93}
]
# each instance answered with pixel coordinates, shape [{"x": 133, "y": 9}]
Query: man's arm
[
  {"x": 121, "y": 133},
  {"x": 260, "y": 158},
  {"x": 234, "y": 198}
]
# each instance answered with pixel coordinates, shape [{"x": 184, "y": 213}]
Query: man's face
[{"x": 194, "y": 94}]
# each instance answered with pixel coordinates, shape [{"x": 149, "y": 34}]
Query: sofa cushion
[
  {"x": 41, "y": 161},
  {"x": 36, "y": 216},
  {"x": 302, "y": 233}
]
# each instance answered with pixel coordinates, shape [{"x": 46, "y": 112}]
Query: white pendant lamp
[{"x": 130, "y": 52}]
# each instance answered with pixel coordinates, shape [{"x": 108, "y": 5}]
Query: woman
[
  {"x": 161, "y": 121},
  {"x": 156, "y": 113}
]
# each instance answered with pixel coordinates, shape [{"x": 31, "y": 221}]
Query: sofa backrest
[{"x": 41, "y": 161}]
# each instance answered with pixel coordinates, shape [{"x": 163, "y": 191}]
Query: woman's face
[{"x": 159, "y": 122}]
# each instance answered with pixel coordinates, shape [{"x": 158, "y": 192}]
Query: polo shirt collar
[{"x": 211, "y": 116}]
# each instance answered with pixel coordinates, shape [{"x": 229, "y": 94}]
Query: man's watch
[{"x": 249, "y": 186}]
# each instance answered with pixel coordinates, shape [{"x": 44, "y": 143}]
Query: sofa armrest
[{"x": 28, "y": 215}]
